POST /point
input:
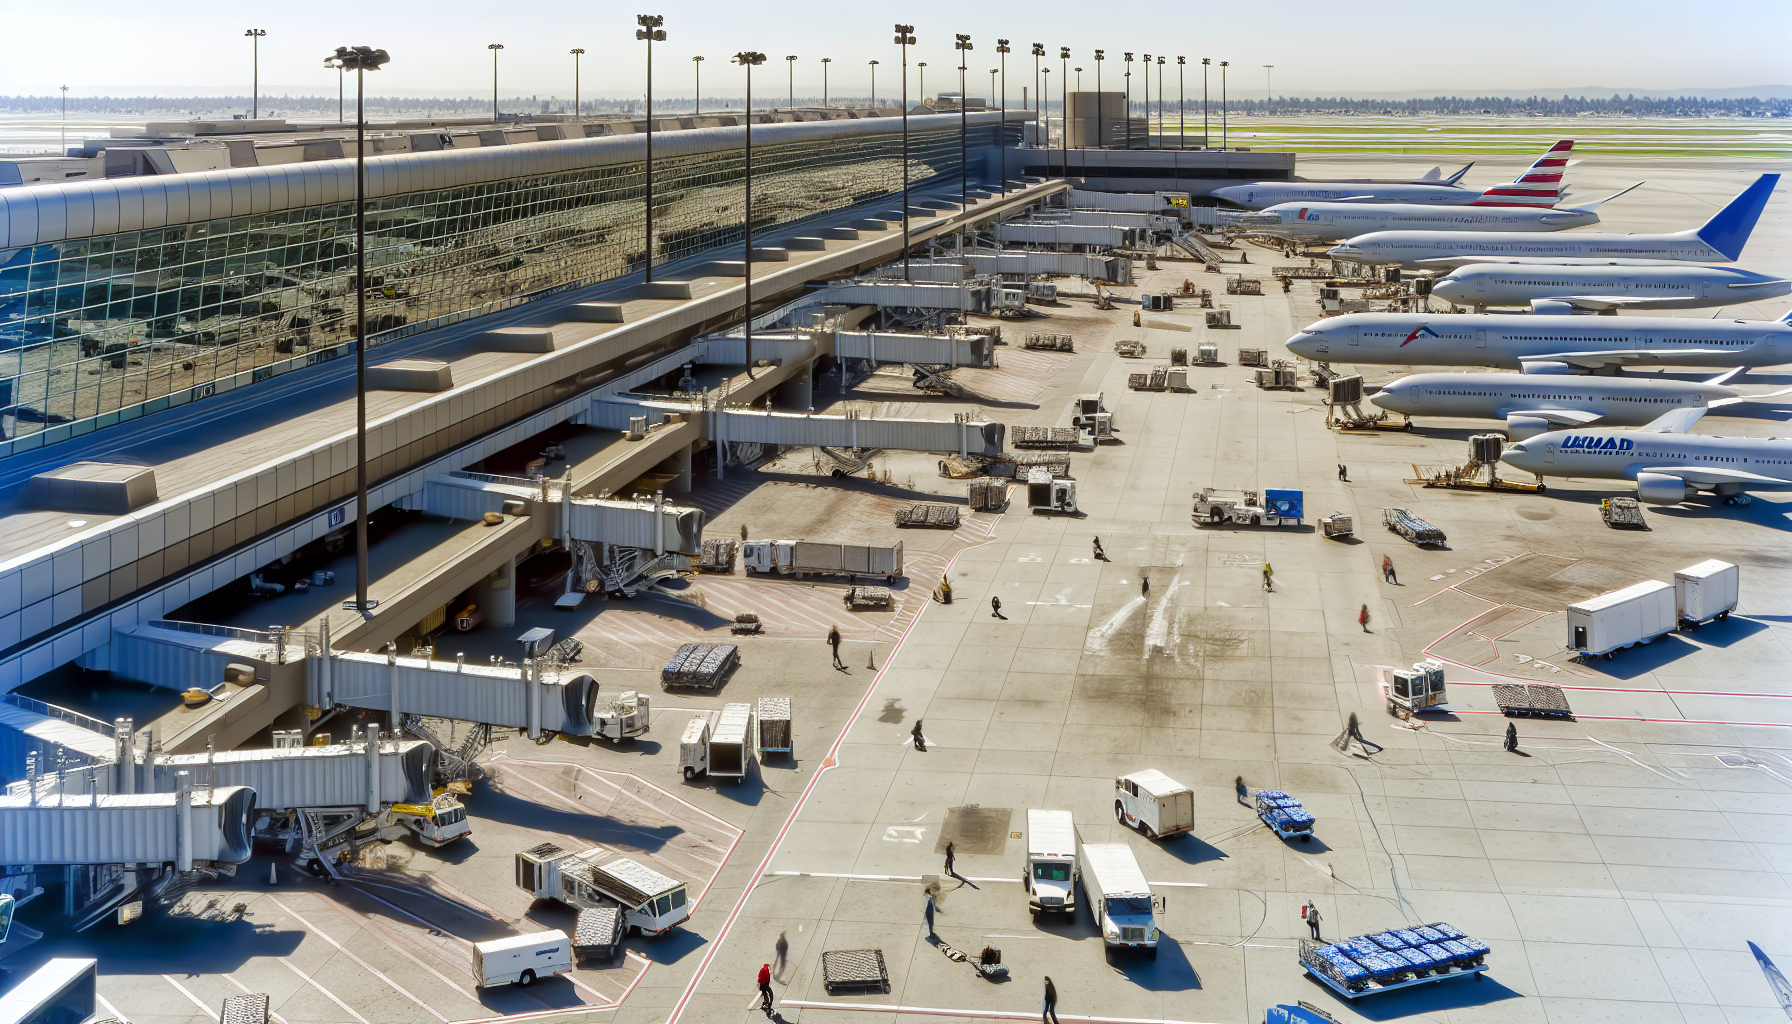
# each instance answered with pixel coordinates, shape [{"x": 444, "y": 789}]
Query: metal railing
[{"x": 38, "y": 707}]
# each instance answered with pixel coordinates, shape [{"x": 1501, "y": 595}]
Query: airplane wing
[
  {"x": 1562, "y": 304},
  {"x": 1711, "y": 475},
  {"x": 1750, "y": 398},
  {"x": 1556, "y": 417},
  {"x": 1614, "y": 357},
  {"x": 1677, "y": 421}
]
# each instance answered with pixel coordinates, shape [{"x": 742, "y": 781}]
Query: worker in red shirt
[{"x": 765, "y": 989}]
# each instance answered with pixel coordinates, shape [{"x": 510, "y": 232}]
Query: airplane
[
  {"x": 1668, "y": 464},
  {"x": 1532, "y": 404},
  {"x": 1782, "y": 990},
  {"x": 1718, "y": 240},
  {"x": 1540, "y": 185},
  {"x": 1545, "y": 343},
  {"x": 1334, "y": 221},
  {"x": 1609, "y": 286}
]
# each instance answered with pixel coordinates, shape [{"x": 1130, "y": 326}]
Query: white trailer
[
  {"x": 1705, "y": 592},
  {"x": 1120, "y": 898},
  {"x": 652, "y": 903},
  {"x": 1049, "y": 493},
  {"x": 1051, "y": 871},
  {"x": 731, "y": 743},
  {"x": 693, "y": 746},
  {"x": 1623, "y": 618},
  {"x": 522, "y": 959},
  {"x": 807, "y": 558},
  {"x": 1155, "y": 804}
]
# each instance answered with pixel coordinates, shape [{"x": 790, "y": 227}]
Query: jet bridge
[
  {"x": 1026, "y": 262},
  {"x": 525, "y": 697},
  {"x": 185, "y": 828},
  {"x": 960, "y": 434},
  {"x": 1070, "y": 234}
]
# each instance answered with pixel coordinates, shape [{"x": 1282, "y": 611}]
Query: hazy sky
[{"x": 196, "y": 47}]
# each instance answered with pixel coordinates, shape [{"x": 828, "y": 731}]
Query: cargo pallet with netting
[
  {"x": 854, "y": 970},
  {"x": 718, "y": 556},
  {"x": 1021, "y": 436},
  {"x": 1397, "y": 958},
  {"x": 929, "y": 514},
  {"x": 1411, "y": 527},
  {"x": 700, "y": 666},
  {"x": 1533, "y": 701}
]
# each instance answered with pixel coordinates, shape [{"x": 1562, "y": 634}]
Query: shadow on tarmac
[
  {"x": 1440, "y": 997},
  {"x": 1170, "y": 972},
  {"x": 509, "y": 809}
]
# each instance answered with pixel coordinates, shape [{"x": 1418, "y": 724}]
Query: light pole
[
  {"x": 360, "y": 59},
  {"x": 1038, "y": 52},
  {"x": 1127, "y": 106},
  {"x": 649, "y": 33},
  {"x": 1147, "y": 101},
  {"x": 905, "y": 38},
  {"x": 494, "y": 47},
  {"x": 254, "y": 35},
  {"x": 1181, "y": 106},
  {"x": 790, "y": 68},
  {"x": 1269, "y": 92},
  {"x": 577, "y": 52},
  {"x": 1205, "y": 63},
  {"x": 1064, "y": 104},
  {"x": 874, "y": 85},
  {"x": 1225, "y": 141},
  {"x": 697, "y": 68},
  {"x": 1002, "y": 138},
  {"x": 748, "y": 60},
  {"x": 1101, "y": 135},
  {"x": 825, "y": 61},
  {"x": 1160, "y": 99},
  {"x": 65, "y": 120},
  {"x": 963, "y": 45},
  {"x": 1046, "y": 139}
]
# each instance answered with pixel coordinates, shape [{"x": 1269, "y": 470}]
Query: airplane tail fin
[
  {"x": 1434, "y": 174},
  {"x": 1540, "y": 185},
  {"x": 1454, "y": 178},
  {"x": 1679, "y": 421},
  {"x": 1787, "y": 319},
  {"x": 1728, "y": 230},
  {"x": 1597, "y": 203}
]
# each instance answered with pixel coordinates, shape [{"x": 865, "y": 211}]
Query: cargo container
[
  {"x": 773, "y": 715},
  {"x": 521, "y": 959},
  {"x": 597, "y": 934},
  {"x": 1153, "y": 803},
  {"x": 730, "y": 743},
  {"x": 1120, "y": 899},
  {"x": 807, "y": 558},
  {"x": 629, "y": 715},
  {"x": 1051, "y": 871},
  {"x": 1623, "y": 618},
  {"x": 652, "y": 903},
  {"x": 1705, "y": 592},
  {"x": 693, "y": 746},
  {"x": 1049, "y": 493}
]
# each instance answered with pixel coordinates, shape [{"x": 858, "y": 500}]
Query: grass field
[{"x": 1769, "y": 138}]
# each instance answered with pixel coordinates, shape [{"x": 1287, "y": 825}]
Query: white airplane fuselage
[
  {"x": 1334, "y": 221},
  {"x": 1661, "y": 463},
  {"x": 1261, "y": 194},
  {"x": 1414, "y": 248},
  {"x": 1672, "y": 286},
  {"x": 1517, "y": 339},
  {"x": 1613, "y": 401}
]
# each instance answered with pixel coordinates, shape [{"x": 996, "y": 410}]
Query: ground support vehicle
[
  {"x": 1394, "y": 959},
  {"x": 1051, "y": 871},
  {"x": 801, "y": 558},
  {"x": 1622, "y": 513},
  {"x": 629, "y": 715},
  {"x": 1411, "y": 527},
  {"x": 521, "y": 959},
  {"x": 1608, "y": 623},
  {"x": 1416, "y": 689},
  {"x": 867, "y": 597},
  {"x": 773, "y": 716},
  {"x": 1275, "y": 507},
  {"x": 701, "y": 666},
  {"x": 929, "y": 514},
  {"x": 1284, "y": 815},
  {"x": 1154, "y": 804},
  {"x": 1705, "y": 592},
  {"x": 1048, "y": 493},
  {"x": 652, "y": 903},
  {"x": 1120, "y": 899},
  {"x": 1337, "y": 525}
]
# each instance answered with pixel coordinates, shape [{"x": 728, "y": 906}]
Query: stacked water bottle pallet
[{"x": 1397, "y": 958}]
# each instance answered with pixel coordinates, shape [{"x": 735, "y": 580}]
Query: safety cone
[
  {"x": 871, "y": 660},
  {"x": 273, "y": 876}
]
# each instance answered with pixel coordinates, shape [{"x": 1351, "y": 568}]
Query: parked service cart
[
  {"x": 693, "y": 746},
  {"x": 802, "y": 558},
  {"x": 629, "y": 715},
  {"x": 1416, "y": 689},
  {"x": 1637, "y": 614},
  {"x": 730, "y": 743},
  {"x": 652, "y": 903},
  {"x": 1120, "y": 899},
  {"x": 773, "y": 715},
  {"x": 1411, "y": 527},
  {"x": 1397, "y": 958},
  {"x": 1705, "y": 592},
  {"x": 1284, "y": 815},
  {"x": 522, "y": 959},
  {"x": 597, "y": 935},
  {"x": 1051, "y": 871},
  {"x": 1048, "y": 493},
  {"x": 1275, "y": 507},
  {"x": 1620, "y": 513},
  {"x": 1337, "y": 525},
  {"x": 1154, "y": 804}
]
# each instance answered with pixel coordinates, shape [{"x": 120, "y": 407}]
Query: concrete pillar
[
  {"x": 183, "y": 816},
  {"x": 681, "y": 463},
  {"x": 124, "y": 752},
  {"x": 799, "y": 392},
  {"x": 371, "y": 736},
  {"x": 496, "y": 596}
]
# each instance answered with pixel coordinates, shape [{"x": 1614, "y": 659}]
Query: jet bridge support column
[
  {"x": 532, "y": 680},
  {"x": 801, "y": 394},
  {"x": 681, "y": 462},
  {"x": 183, "y": 818},
  {"x": 124, "y": 756},
  {"x": 371, "y": 734}
]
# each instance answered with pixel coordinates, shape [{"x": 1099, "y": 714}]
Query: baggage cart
[
  {"x": 1534, "y": 700},
  {"x": 247, "y": 1008},
  {"x": 1608, "y": 623},
  {"x": 1337, "y": 525},
  {"x": 773, "y": 715},
  {"x": 700, "y": 666},
  {"x": 1284, "y": 815},
  {"x": 718, "y": 556},
  {"x": 1021, "y": 436},
  {"x": 1129, "y": 349},
  {"x": 1395, "y": 959},
  {"x": 929, "y": 515},
  {"x": 731, "y": 743},
  {"x": 854, "y": 970},
  {"x": 597, "y": 935},
  {"x": 746, "y": 624},
  {"x": 988, "y": 495},
  {"x": 1622, "y": 514},
  {"x": 1049, "y": 342},
  {"x": 1411, "y": 527},
  {"x": 868, "y": 597},
  {"x": 1253, "y": 357}
]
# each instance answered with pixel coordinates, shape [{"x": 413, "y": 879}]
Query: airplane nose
[
  {"x": 1386, "y": 400},
  {"x": 1449, "y": 288}
]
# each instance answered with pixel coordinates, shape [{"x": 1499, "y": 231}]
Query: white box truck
[
  {"x": 693, "y": 746},
  {"x": 1120, "y": 898},
  {"x": 522, "y": 959},
  {"x": 652, "y": 903},
  {"x": 1623, "y": 618},
  {"x": 1051, "y": 873},
  {"x": 731, "y": 743},
  {"x": 1705, "y": 592},
  {"x": 1154, "y": 804},
  {"x": 801, "y": 558}
]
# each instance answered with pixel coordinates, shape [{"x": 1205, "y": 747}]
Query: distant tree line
[{"x": 1529, "y": 106}]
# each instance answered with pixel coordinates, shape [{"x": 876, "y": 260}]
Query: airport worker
[
  {"x": 1313, "y": 919},
  {"x": 765, "y": 989},
  {"x": 1512, "y": 737},
  {"x": 834, "y": 642},
  {"x": 1243, "y": 791},
  {"x": 951, "y": 853},
  {"x": 1362, "y": 618},
  {"x": 1049, "y": 1012},
  {"x": 1269, "y": 577},
  {"x": 783, "y": 951},
  {"x": 1100, "y": 555},
  {"x": 995, "y": 607},
  {"x": 920, "y": 740},
  {"x": 1343, "y": 472},
  {"x": 1144, "y": 586},
  {"x": 1387, "y": 569},
  {"x": 929, "y": 913}
]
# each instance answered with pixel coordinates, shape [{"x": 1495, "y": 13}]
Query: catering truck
[
  {"x": 1051, "y": 873},
  {"x": 1156, "y": 805},
  {"x": 801, "y": 558},
  {"x": 1120, "y": 898},
  {"x": 1704, "y": 592},
  {"x": 521, "y": 959},
  {"x": 1623, "y": 618},
  {"x": 652, "y": 903}
]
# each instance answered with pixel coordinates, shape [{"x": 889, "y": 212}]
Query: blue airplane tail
[{"x": 1728, "y": 231}]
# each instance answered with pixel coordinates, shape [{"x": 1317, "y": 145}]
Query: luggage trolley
[{"x": 1284, "y": 815}]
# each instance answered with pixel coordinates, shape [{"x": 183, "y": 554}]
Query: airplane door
[
  {"x": 1704, "y": 289},
  {"x": 1480, "y": 339},
  {"x": 1354, "y": 329},
  {"x": 1549, "y": 453},
  {"x": 1481, "y": 284}
]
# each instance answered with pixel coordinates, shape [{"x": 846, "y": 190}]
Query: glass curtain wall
[{"x": 100, "y": 329}]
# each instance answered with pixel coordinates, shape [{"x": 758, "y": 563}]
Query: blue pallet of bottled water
[{"x": 1392, "y": 959}]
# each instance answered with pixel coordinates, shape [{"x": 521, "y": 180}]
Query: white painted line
[
  {"x": 917, "y": 878},
  {"x": 935, "y": 1011},
  {"x": 331, "y": 996},
  {"x": 276, "y": 1018},
  {"x": 209, "y": 1012},
  {"x": 113, "y": 1010},
  {"x": 376, "y": 972}
]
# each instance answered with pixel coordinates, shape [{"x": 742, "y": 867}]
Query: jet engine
[
  {"x": 1660, "y": 489},
  {"x": 1521, "y": 427},
  {"x": 1549, "y": 366}
]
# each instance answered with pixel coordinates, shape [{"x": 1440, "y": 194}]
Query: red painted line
[
  {"x": 1636, "y": 689},
  {"x": 715, "y": 945},
  {"x": 1628, "y": 718},
  {"x": 935, "y": 1011}
]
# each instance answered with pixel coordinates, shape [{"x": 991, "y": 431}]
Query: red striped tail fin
[{"x": 1540, "y": 185}]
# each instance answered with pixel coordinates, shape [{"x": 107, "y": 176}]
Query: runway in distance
[
  {"x": 1718, "y": 240},
  {"x": 1668, "y": 464},
  {"x": 1541, "y": 185},
  {"x": 1545, "y": 344},
  {"x": 1532, "y": 404},
  {"x": 1321, "y": 222},
  {"x": 1597, "y": 287}
]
